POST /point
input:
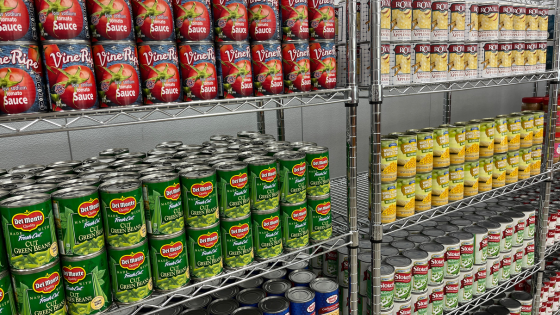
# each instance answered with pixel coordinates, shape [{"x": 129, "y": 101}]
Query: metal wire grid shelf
[
  {"x": 26, "y": 124},
  {"x": 449, "y": 86},
  {"x": 550, "y": 250}
]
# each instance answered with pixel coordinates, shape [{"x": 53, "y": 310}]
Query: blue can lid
[
  {"x": 302, "y": 276},
  {"x": 250, "y": 296},
  {"x": 277, "y": 286},
  {"x": 300, "y": 295},
  {"x": 247, "y": 310},
  {"x": 274, "y": 304},
  {"x": 222, "y": 307},
  {"x": 251, "y": 283}
]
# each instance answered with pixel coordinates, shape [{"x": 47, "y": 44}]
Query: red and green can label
[
  {"x": 159, "y": 68},
  {"x": 323, "y": 65},
  {"x": 237, "y": 242},
  {"x": 267, "y": 68},
  {"x": 125, "y": 224},
  {"x": 267, "y": 234},
  {"x": 193, "y": 20},
  {"x": 296, "y": 67},
  {"x": 30, "y": 235},
  {"x": 170, "y": 265},
  {"x": 87, "y": 285},
  {"x": 292, "y": 180},
  {"x": 64, "y": 19},
  {"x": 295, "y": 22},
  {"x": 233, "y": 193},
  {"x": 264, "y": 186},
  {"x": 235, "y": 74},
  {"x": 198, "y": 70},
  {"x": 131, "y": 278},
  {"x": 79, "y": 225},
  {"x": 320, "y": 219},
  {"x": 7, "y": 301},
  {"x": 110, "y": 20},
  {"x": 41, "y": 292},
  {"x": 163, "y": 207},
  {"x": 321, "y": 18},
  {"x": 201, "y": 204},
  {"x": 17, "y": 22},
  {"x": 205, "y": 252},
  {"x": 231, "y": 21},
  {"x": 295, "y": 232},
  {"x": 154, "y": 20},
  {"x": 264, "y": 20}
]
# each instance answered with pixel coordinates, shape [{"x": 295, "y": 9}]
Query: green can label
[
  {"x": 403, "y": 284},
  {"x": 40, "y": 293},
  {"x": 294, "y": 225},
  {"x": 201, "y": 206},
  {"x": 420, "y": 276},
  {"x": 237, "y": 242},
  {"x": 78, "y": 225},
  {"x": 436, "y": 271},
  {"x": 264, "y": 186},
  {"x": 162, "y": 204},
  {"x": 233, "y": 193},
  {"x": 170, "y": 266},
  {"x": 318, "y": 175},
  {"x": 125, "y": 224},
  {"x": 320, "y": 220},
  {"x": 87, "y": 285},
  {"x": 267, "y": 233},
  {"x": 450, "y": 294},
  {"x": 7, "y": 301},
  {"x": 130, "y": 274},
  {"x": 30, "y": 235},
  {"x": 205, "y": 252},
  {"x": 292, "y": 180}
]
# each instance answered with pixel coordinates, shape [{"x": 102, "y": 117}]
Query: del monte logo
[
  {"x": 123, "y": 205},
  {"x": 73, "y": 275},
  {"x": 320, "y": 163},
  {"x": 208, "y": 240},
  {"x": 299, "y": 169},
  {"x": 173, "y": 192},
  {"x": 202, "y": 190},
  {"x": 238, "y": 181},
  {"x": 239, "y": 231},
  {"x": 299, "y": 214},
  {"x": 268, "y": 175},
  {"x": 323, "y": 208},
  {"x": 172, "y": 250},
  {"x": 46, "y": 284},
  {"x": 270, "y": 224},
  {"x": 89, "y": 209},
  {"x": 28, "y": 221},
  {"x": 132, "y": 261}
]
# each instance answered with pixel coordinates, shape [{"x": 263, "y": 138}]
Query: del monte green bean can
[
  {"x": 162, "y": 203},
  {"x": 237, "y": 242},
  {"x": 200, "y": 196},
  {"x": 292, "y": 169},
  {"x": 205, "y": 251},
  {"x": 267, "y": 233},
  {"x": 79, "y": 227},
  {"x": 169, "y": 260},
  {"x": 319, "y": 217},
  {"x": 403, "y": 277},
  {"x": 233, "y": 191},
  {"x": 86, "y": 283},
  {"x": 8, "y": 303},
  {"x": 40, "y": 290},
  {"x": 123, "y": 212},
  {"x": 295, "y": 230},
  {"x": 29, "y": 232},
  {"x": 318, "y": 176},
  {"x": 131, "y": 277},
  {"x": 263, "y": 177}
]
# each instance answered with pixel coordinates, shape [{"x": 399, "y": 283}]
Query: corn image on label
[
  {"x": 499, "y": 171},
  {"x": 131, "y": 277},
  {"x": 267, "y": 233},
  {"x": 41, "y": 292},
  {"x": 471, "y": 178},
  {"x": 423, "y": 192},
  {"x": 457, "y": 142},
  {"x": 170, "y": 265},
  {"x": 388, "y": 202},
  {"x": 440, "y": 186},
  {"x": 406, "y": 188},
  {"x": 487, "y": 131},
  {"x": 527, "y": 126},
  {"x": 389, "y": 152},
  {"x": 485, "y": 172},
  {"x": 514, "y": 132},
  {"x": 536, "y": 152},
  {"x": 407, "y": 149},
  {"x": 538, "y": 129},
  {"x": 500, "y": 135},
  {"x": 456, "y": 182},
  {"x": 525, "y": 162},
  {"x": 512, "y": 167},
  {"x": 472, "y": 145},
  {"x": 441, "y": 147}
]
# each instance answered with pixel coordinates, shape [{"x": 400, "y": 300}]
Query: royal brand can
[
  {"x": 388, "y": 202},
  {"x": 438, "y": 61},
  {"x": 435, "y": 302},
  {"x": 505, "y": 267},
  {"x": 170, "y": 265},
  {"x": 488, "y": 21},
  {"x": 389, "y": 153},
  {"x": 492, "y": 272},
  {"x": 456, "y": 53},
  {"x": 505, "y": 29},
  {"x": 532, "y": 22},
  {"x": 504, "y": 58},
  {"x": 294, "y": 20},
  {"x": 197, "y": 61},
  {"x": 267, "y": 234},
  {"x": 295, "y": 230},
  {"x": 488, "y": 59},
  {"x": 440, "y": 21},
  {"x": 440, "y": 186},
  {"x": 109, "y": 21},
  {"x": 267, "y": 64},
  {"x": 162, "y": 203},
  {"x": 205, "y": 252},
  {"x": 29, "y": 231},
  {"x": 541, "y": 56},
  {"x": 403, "y": 277},
  {"x": 326, "y": 295},
  {"x": 200, "y": 197},
  {"x": 400, "y": 63},
  {"x": 296, "y": 66},
  {"x": 536, "y": 152},
  {"x": 74, "y": 26},
  {"x": 78, "y": 221},
  {"x": 154, "y": 20},
  {"x": 512, "y": 168},
  {"x": 193, "y": 20},
  {"x": 423, "y": 192},
  {"x": 319, "y": 217},
  {"x": 529, "y": 256},
  {"x": 531, "y": 57},
  {"x": 406, "y": 187},
  {"x": 479, "y": 279},
  {"x": 233, "y": 192},
  {"x": 518, "y": 58},
  {"x": 450, "y": 294},
  {"x": 501, "y": 134},
  {"x": 40, "y": 290},
  {"x": 122, "y": 202},
  {"x": 519, "y": 19},
  {"x": 421, "y": 20},
  {"x": 401, "y": 20},
  {"x": 471, "y": 171},
  {"x": 456, "y": 20},
  {"x": 86, "y": 283},
  {"x": 386, "y": 62},
  {"x": 499, "y": 171},
  {"x": 323, "y": 65},
  {"x": 420, "y": 59},
  {"x": 292, "y": 171},
  {"x": 471, "y": 21},
  {"x": 159, "y": 68},
  {"x": 456, "y": 182},
  {"x": 386, "y": 21},
  {"x": 420, "y": 267},
  {"x": 543, "y": 22},
  {"x": 265, "y": 20},
  {"x": 406, "y": 156}
]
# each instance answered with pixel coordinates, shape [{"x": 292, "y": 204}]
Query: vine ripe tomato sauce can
[
  {"x": 118, "y": 77},
  {"x": 198, "y": 71},
  {"x": 265, "y": 20},
  {"x": 70, "y": 75},
  {"x": 23, "y": 89},
  {"x": 235, "y": 75},
  {"x": 267, "y": 68},
  {"x": 295, "y": 24},
  {"x": 110, "y": 20},
  {"x": 321, "y": 17},
  {"x": 154, "y": 20},
  {"x": 193, "y": 20},
  {"x": 159, "y": 69},
  {"x": 323, "y": 64},
  {"x": 231, "y": 21},
  {"x": 296, "y": 66},
  {"x": 64, "y": 19},
  {"x": 18, "y": 21}
]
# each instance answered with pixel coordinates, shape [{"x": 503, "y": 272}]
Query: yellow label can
[
  {"x": 499, "y": 171},
  {"x": 441, "y": 146},
  {"x": 406, "y": 155},
  {"x": 389, "y": 152},
  {"x": 423, "y": 193},
  {"x": 486, "y": 136},
  {"x": 472, "y": 139},
  {"x": 471, "y": 178},
  {"x": 440, "y": 186},
  {"x": 512, "y": 168},
  {"x": 538, "y": 127},
  {"x": 388, "y": 202},
  {"x": 456, "y": 143},
  {"x": 500, "y": 135},
  {"x": 525, "y": 162},
  {"x": 425, "y": 153},
  {"x": 527, "y": 127},
  {"x": 536, "y": 154},
  {"x": 485, "y": 170},
  {"x": 456, "y": 182},
  {"x": 514, "y": 132},
  {"x": 406, "y": 190}
]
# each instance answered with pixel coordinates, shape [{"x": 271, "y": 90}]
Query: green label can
[
  {"x": 233, "y": 191},
  {"x": 263, "y": 177},
  {"x": 200, "y": 197},
  {"x": 406, "y": 196},
  {"x": 457, "y": 141},
  {"x": 79, "y": 227},
  {"x": 471, "y": 170},
  {"x": 389, "y": 151},
  {"x": 237, "y": 242},
  {"x": 512, "y": 168},
  {"x": 319, "y": 218},
  {"x": 123, "y": 211},
  {"x": 205, "y": 252},
  {"x": 295, "y": 230},
  {"x": 527, "y": 127},
  {"x": 514, "y": 131},
  {"x": 538, "y": 129},
  {"x": 29, "y": 232},
  {"x": 170, "y": 265},
  {"x": 318, "y": 175},
  {"x": 440, "y": 186},
  {"x": 456, "y": 182},
  {"x": 162, "y": 203},
  {"x": 292, "y": 170},
  {"x": 39, "y": 291},
  {"x": 525, "y": 161},
  {"x": 7, "y": 302},
  {"x": 485, "y": 172},
  {"x": 499, "y": 171},
  {"x": 267, "y": 233},
  {"x": 86, "y": 283},
  {"x": 536, "y": 152},
  {"x": 487, "y": 130},
  {"x": 423, "y": 191},
  {"x": 501, "y": 134}
]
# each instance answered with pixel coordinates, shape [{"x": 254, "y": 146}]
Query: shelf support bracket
[
  {"x": 280, "y": 127},
  {"x": 447, "y": 107},
  {"x": 260, "y": 121}
]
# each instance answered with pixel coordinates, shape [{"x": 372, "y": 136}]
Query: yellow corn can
[
  {"x": 500, "y": 135},
  {"x": 512, "y": 168},
  {"x": 525, "y": 162},
  {"x": 499, "y": 171},
  {"x": 538, "y": 127},
  {"x": 456, "y": 182},
  {"x": 423, "y": 193},
  {"x": 425, "y": 152},
  {"x": 456, "y": 143},
  {"x": 471, "y": 178},
  {"x": 388, "y": 202},
  {"x": 514, "y": 132},
  {"x": 440, "y": 186},
  {"x": 389, "y": 152},
  {"x": 406, "y": 189},
  {"x": 485, "y": 171},
  {"x": 486, "y": 136},
  {"x": 536, "y": 154}
]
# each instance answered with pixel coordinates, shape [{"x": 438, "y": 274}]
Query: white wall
[{"x": 322, "y": 124}]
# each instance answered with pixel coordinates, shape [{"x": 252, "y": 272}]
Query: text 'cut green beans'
[
  {"x": 170, "y": 265},
  {"x": 162, "y": 203},
  {"x": 200, "y": 196}
]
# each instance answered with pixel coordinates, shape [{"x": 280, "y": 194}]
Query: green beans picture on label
[
  {"x": 170, "y": 264},
  {"x": 78, "y": 220},
  {"x": 237, "y": 242},
  {"x": 86, "y": 283},
  {"x": 8, "y": 303},
  {"x": 40, "y": 291},
  {"x": 205, "y": 252},
  {"x": 292, "y": 169},
  {"x": 295, "y": 231},
  {"x": 131, "y": 278},
  {"x": 318, "y": 175},
  {"x": 200, "y": 197},
  {"x": 319, "y": 218},
  {"x": 267, "y": 234},
  {"x": 233, "y": 191},
  {"x": 29, "y": 232},
  {"x": 162, "y": 203},
  {"x": 263, "y": 177}
]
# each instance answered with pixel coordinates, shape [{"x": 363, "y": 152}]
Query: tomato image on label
[
  {"x": 264, "y": 20},
  {"x": 62, "y": 19},
  {"x": 323, "y": 65},
  {"x": 267, "y": 68},
  {"x": 230, "y": 20},
  {"x": 296, "y": 67},
  {"x": 17, "y": 21},
  {"x": 110, "y": 20},
  {"x": 235, "y": 70},
  {"x": 154, "y": 20},
  {"x": 18, "y": 93},
  {"x": 321, "y": 16},
  {"x": 198, "y": 71},
  {"x": 160, "y": 73},
  {"x": 193, "y": 20},
  {"x": 295, "y": 23}
]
